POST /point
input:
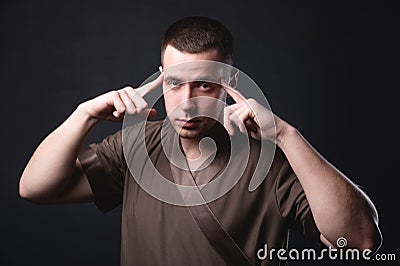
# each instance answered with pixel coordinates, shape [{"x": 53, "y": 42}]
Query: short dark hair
[{"x": 198, "y": 34}]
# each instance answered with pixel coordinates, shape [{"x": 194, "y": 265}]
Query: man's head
[{"x": 191, "y": 39}]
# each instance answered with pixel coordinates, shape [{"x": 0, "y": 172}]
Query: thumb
[{"x": 152, "y": 113}]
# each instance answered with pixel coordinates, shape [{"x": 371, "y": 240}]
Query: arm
[
  {"x": 53, "y": 173},
  {"x": 339, "y": 207}
]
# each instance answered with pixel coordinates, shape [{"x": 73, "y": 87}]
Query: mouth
[{"x": 188, "y": 123}]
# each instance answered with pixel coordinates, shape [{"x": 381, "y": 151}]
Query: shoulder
[
  {"x": 146, "y": 128},
  {"x": 134, "y": 136}
]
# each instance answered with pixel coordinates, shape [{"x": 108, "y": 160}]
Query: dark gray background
[{"x": 327, "y": 70}]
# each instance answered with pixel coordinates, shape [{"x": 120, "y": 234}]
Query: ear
[{"x": 233, "y": 80}]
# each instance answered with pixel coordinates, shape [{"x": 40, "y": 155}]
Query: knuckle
[
  {"x": 142, "y": 107},
  {"x": 139, "y": 108},
  {"x": 132, "y": 111},
  {"x": 129, "y": 90},
  {"x": 128, "y": 87},
  {"x": 114, "y": 93},
  {"x": 233, "y": 117}
]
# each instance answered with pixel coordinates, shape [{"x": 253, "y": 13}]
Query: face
[{"x": 186, "y": 103}]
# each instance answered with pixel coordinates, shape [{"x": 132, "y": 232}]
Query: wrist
[
  {"x": 283, "y": 131},
  {"x": 83, "y": 115}
]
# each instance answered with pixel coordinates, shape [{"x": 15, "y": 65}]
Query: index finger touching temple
[{"x": 235, "y": 94}]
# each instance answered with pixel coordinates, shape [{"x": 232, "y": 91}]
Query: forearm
[
  {"x": 52, "y": 164},
  {"x": 339, "y": 207}
]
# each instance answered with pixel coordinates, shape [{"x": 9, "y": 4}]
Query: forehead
[
  {"x": 197, "y": 71},
  {"x": 183, "y": 67},
  {"x": 173, "y": 56}
]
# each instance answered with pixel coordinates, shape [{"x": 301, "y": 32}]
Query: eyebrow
[
  {"x": 201, "y": 78},
  {"x": 169, "y": 78},
  {"x": 207, "y": 78}
]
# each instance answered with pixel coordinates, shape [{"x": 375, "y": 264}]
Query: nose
[{"x": 188, "y": 104}]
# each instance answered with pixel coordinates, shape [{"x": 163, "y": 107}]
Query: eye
[
  {"x": 205, "y": 86},
  {"x": 173, "y": 84}
]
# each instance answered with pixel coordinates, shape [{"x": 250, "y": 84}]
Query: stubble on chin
[{"x": 191, "y": 133}]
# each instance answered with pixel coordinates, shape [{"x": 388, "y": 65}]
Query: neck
[{"x": 190, "y": 147}]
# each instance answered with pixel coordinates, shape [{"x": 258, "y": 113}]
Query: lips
[{"x": 187, "y": 123}]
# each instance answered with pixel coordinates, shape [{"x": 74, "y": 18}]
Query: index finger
[
  {"x": 235, "y": 94},
  {"x": 147, "y": 88}
]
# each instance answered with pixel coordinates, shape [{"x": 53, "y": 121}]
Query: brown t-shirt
[{"x": 158, "y": 233}]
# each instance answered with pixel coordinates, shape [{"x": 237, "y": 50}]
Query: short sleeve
[
  {"x": 104, "y": 167},
  {"x": 292, "y": 202}
]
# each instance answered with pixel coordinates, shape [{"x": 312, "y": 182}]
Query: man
[{"x": 302, "y": 190}]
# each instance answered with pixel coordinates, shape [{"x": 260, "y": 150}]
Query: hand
[
  {"x": 112, "y": 105},
  {"x": 249, "y": 116}
]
